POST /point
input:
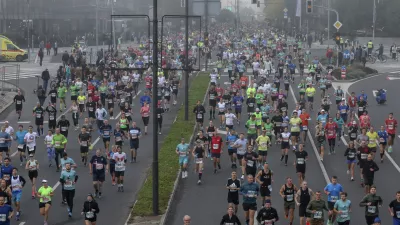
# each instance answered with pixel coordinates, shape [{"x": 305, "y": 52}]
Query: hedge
[
  {"x": 355, "y": 71},
  {"x": 168, "y": 160}
]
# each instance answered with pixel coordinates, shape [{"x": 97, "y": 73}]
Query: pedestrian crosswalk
[
  {"x": 395, "y": 71},
  {"x": 250, "y": 71}
]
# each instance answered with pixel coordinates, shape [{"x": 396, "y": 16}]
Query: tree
[
  {"x": 226, "y": 16},
  {"x": 274, "y": 10}
]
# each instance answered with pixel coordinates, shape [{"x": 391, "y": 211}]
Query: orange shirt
[
  {"x": 304, "y": 119},
  {"x": 243, "y": 81}
]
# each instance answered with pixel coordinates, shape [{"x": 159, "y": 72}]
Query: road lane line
[
  {"x": 14, "y": 153},
  {"x": 22, "y": 223},
  {"x": 311, "y": 138},
  {"x": 56, "y": 185},
  {"x": 388, "y": 156},
  {"x": 95, "y": 142},
  {"x": 19, "y": 122}
]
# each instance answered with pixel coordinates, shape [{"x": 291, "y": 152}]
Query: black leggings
[
  {"x": 69, "y": 196},
  {"x": 159, "y": 122},
  {"x": 58, "y": 151},
  {"x": 347, "y": 222},
  {"x": 331, "y": 141}
]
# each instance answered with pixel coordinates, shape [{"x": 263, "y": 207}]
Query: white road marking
[
  {"x": 95, "y": 142},
  {"x": 19, "y": 122},
  {"x": 395, "y": 72},
  {"x": 56, "y": 185},
  {"x": 22, "y": 223},
  {"x": 392, "y": 78},
  {"x": 14, "y": 153},
  {"x": 311, "y": 138}
]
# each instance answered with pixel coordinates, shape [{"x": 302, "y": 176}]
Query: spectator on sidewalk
[
  {"x": 65, "y": 58},
  {"x": 41, "y": 55},
  {"x": 55, "y": 48},
  {"x": 329, "y": 55},
  {"x": 45, "y": 78},
  {"x": 48, "y": 48}
]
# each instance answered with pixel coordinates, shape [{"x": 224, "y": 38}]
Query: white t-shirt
[
  {"x": 221, "y": 106},
  {"x": 213, "y": 77},
  {"x": 30, "y": 139},
  {"x": 229, "y": 117},
  {"x": 135, "y": 77},
  {"x": 47, "y": 140},
  {"x": 119, "y": 161}
]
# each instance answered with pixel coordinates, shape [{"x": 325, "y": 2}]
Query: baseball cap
[{"x": 44, "y": 181}]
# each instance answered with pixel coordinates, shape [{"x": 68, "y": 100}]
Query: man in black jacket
[
  {"x": 45, "y": 78},
  {"x": 267, "y": 215},
  {"x": 230, "y": 218},
  {"x": 65, "y": 58}
]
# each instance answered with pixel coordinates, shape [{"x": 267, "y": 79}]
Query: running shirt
[
  {"x": 344, "y": 207},
  {"x": 183, "y": 149},
  {"x": 372, "y": 139},
  {"x": 120, "y": 160},
  {"x": 262, "y": 142},
  {"x": 295, "y": 124},
  {"x": 68, "y": 178},
  {"x": 391, "y": 125},
  {"x": 45, "y": 193},
  {"x": 229, "y": 118},
  {"x": 334, "y": 191}
]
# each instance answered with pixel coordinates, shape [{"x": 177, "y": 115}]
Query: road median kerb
[
  {"x": 169, "y": 170},
  {"x": 354, "y": 80}
]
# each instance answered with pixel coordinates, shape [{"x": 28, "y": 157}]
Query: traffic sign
[
  {"x": 285, "y": 15},
  {"x": 285, "y": 10},
  {"x": 337, "y": 24},
  {"x": 344, "y": 71},
  {"x": 343, "y": 68}
]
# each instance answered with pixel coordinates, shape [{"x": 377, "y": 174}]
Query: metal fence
[{"x": 9, "y": 77}]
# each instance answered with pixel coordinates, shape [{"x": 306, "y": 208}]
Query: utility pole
[
  {"x": 187, "y": 60},
  {"x": 329, "y": 19},
  {"x": 112, "y": 21},
  {"x": 155, "y": 105},
  {"x": 373, "y": 21},
  {"x": 206, "y": 22},
  {"x": 97, "y": 26},
  {"x": 29, "y": 32}
]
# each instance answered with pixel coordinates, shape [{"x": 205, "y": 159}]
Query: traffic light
[
  {"x": 337, "y": 38},
  {"x": 258, "y": 4},
  {"x": 309, "y": 6},
  {"x": 254, "y": 1}
]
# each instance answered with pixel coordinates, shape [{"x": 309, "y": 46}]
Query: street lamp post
[
  {"x": 97, "y": 27},
  {"x": 374, "y": 20},
  {"x": 113, "y": 27}
]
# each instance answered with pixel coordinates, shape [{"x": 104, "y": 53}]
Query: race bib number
[
  {"x": 305, "y": 128},
  {"x": 89, "y": 215},
  {"x": 84, "y": 143},
  {"x": 268, "y": 222},
  {"x": 372, "y": 141},
  {"x": 289, "y": 198},
  {"x": 343, "y": 111},
  {"x": 57, "y": 143},
  {"x": 364, "y": 156},
  {"x": 199, "y": 116},
  {"x": 215, "y": 146},
  {"x": 334, "y": 198},
  {"x": 2, "y": 140},
  {"x": 351, "y": 155},
  {"x": 361, "y": 109},
  {"x": 251, "y": 194},
  {"x": 372, "y": 209},
  {"x": 31, "y": 148},
  {"x": 344, "y": 214},
  {"x": 117, "y": 139},
  {"x": 20, "y": 146},
  {"x": 6, "y": 176},
  {"x": 252, "y": 126},
  {"x": 381, "y": 140},
  {"x": 106, "y": 133},
  {"x": 38, "y": 115},
  {"x": 99, "y": 166},
  {"x": 19, "y": 102},
  {"x": 398, "y": 214},
  {"x": 318, "y": 215},
  {"x": 68, "y": 183},
  {"x": 45, "y": 199},
  {"x": 300, "y": 161},
  {"x": 182, "y": 153},
  {"x": 250, "y": 163},
  {"x": 199, "y": 160},
  {"x": 51, "y": 117},
  {"x": 158, "y": 116},
  {"x": 353, "y": 135},
  {"x": 390, "y": 126},
  {"x": 251, "y": 105},
  {"x": 3, "y": 217},
  {"x": 63, "y": 128}
]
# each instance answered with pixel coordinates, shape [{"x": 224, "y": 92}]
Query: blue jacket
[{"x": 145, "y": 98}]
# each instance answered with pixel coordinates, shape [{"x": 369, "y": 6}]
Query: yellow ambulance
[{"x": 10, "y": 52}]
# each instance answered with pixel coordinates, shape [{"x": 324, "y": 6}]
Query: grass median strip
[{"x": 168, "y": 160}]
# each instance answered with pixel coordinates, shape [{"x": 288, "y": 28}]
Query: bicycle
[{"x": 381, "y": 59}]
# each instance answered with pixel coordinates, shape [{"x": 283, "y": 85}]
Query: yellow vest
[
  {"x": 341, "y": 40},
  {"x": 370, "y": 44}
]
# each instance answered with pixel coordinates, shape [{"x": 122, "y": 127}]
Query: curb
[
  {"x": 166, "y": 214},
  {"x": 14, "y": 89},
  {"x": 354, "y": 80}
]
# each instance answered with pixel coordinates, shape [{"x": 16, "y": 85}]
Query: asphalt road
[
  {"x": 193, "y": 199},
  {"x": 114, "y": 206}
]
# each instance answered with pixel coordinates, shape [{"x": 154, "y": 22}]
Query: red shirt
[
  {"x": 235, "y": 88},
  {"x": 145, "y": 111},
  {"x": 365, "y": 121},
  {"x": 91, "y": 90},
  {"x": 216, "y": 144},
  {"x": 391, "y": 126},
  {"x": 148, "y": 81},
  {"x": 352, "y": 101},
  {"x": 331, "y": 130},
  {"x": 243, "y": 81},
  {"x": 95, "y": 98},
  {"x": 220, "y": 91}
]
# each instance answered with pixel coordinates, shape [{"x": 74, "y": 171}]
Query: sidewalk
[{"x": 7, "y": 93}]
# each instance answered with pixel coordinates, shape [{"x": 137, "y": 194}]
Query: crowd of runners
[
  {"x": 262, "y": 97},
  {"x": 97, "y": 105}
]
